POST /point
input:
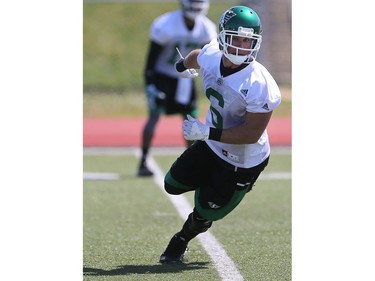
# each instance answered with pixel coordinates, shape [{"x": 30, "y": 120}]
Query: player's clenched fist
[
  {"x": 189, "y": 73},
  {"x": 194, "y": 129}
]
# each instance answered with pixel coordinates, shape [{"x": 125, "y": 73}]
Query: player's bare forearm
[
  {"x": 249, "y": 132},
  {"x": 191, "y": 59}
]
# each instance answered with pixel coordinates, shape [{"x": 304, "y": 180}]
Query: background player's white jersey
[
  {"x": 251, "y": 89},
  {"x": 170, "y": 31}
]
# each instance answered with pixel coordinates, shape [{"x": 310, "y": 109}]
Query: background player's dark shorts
[
  {"x": 168, "y": 85},
  {"x": 218, "y": 187}
]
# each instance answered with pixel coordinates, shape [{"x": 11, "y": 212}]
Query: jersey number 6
[{"x": 217, "y": 119}]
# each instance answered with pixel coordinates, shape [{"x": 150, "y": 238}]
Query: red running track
[{"x": 128, "y": 132}]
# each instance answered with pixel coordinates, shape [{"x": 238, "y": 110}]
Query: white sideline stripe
[
  {"x": 100, "y": 176},
  {"x": 95, "y": 176},
  {"x": 223, "y": 264}
]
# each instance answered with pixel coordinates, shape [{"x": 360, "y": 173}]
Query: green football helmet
[{"x": 240, "y": 21}]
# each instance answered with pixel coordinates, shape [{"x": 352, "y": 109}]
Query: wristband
[
  {"x": 215, "y": 134},
  {"x": 180, "y": 67}
]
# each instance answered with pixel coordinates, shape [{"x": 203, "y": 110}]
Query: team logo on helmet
[{"x": 226, "y": 17}]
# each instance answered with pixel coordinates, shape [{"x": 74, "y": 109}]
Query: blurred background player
[{"x": 167, "y": 93}]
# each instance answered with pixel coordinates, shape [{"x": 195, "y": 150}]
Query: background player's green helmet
[{"x": 243, "y": 22}]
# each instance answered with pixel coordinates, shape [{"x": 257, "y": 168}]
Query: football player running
[
  {"x": 231, "y": 148},
  {"x": 168, "y": 93}
]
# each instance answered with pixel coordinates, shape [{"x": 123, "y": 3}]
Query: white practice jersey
[
  {"x": 251, "y": 89},
  {"x": 170, "y": 31}
]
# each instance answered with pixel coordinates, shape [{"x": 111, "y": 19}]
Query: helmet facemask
[
  {"x": 239, "y": 22},
  {"x": 225, "y": 39},
  {"x": 193, "y": 8}
]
